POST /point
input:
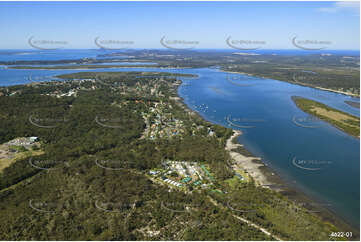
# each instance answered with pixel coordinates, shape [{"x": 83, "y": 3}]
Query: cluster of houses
[
  {"x": 160, "y": 123},
  {"x": 174, "y": 183},
  {"x": 73, "y": 91},
  {"x": 184, "y": 174},
  {"x": 68, "y": 94},
  {"x": 24, "y": 141},
  {"x": 10, "y": 149},
  {"x": 165, "y": 179}
]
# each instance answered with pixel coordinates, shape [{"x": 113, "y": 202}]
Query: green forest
[{"x": 75, "y": 199}]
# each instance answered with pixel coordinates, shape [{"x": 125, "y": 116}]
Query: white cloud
[{"x": 350, "y": 6}]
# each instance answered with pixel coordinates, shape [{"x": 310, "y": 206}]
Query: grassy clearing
[{"x": 6, "y": 162}]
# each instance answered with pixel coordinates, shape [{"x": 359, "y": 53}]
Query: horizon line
[{"x": 145, "y": 48}]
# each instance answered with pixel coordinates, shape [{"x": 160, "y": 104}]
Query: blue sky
[{"x": 208, "y": 23}]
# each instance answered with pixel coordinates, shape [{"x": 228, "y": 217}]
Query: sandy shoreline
[
  {"x": 244, "y": 161},
  {"x": 251, "y": 164}
]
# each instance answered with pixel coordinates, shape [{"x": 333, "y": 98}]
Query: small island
[{"x": 341, "y": 120}]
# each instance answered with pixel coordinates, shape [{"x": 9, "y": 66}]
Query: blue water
[
  {"x": 263, "y": 107},
  {"x": 60, "y": 54},
  {"x": 76, "y": 64}
]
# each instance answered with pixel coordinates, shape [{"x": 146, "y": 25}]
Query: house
[
  {"x": 153, "y": 172},
  {"x": 33, "y": 139},
  {"x": 187, "y": 179}
]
